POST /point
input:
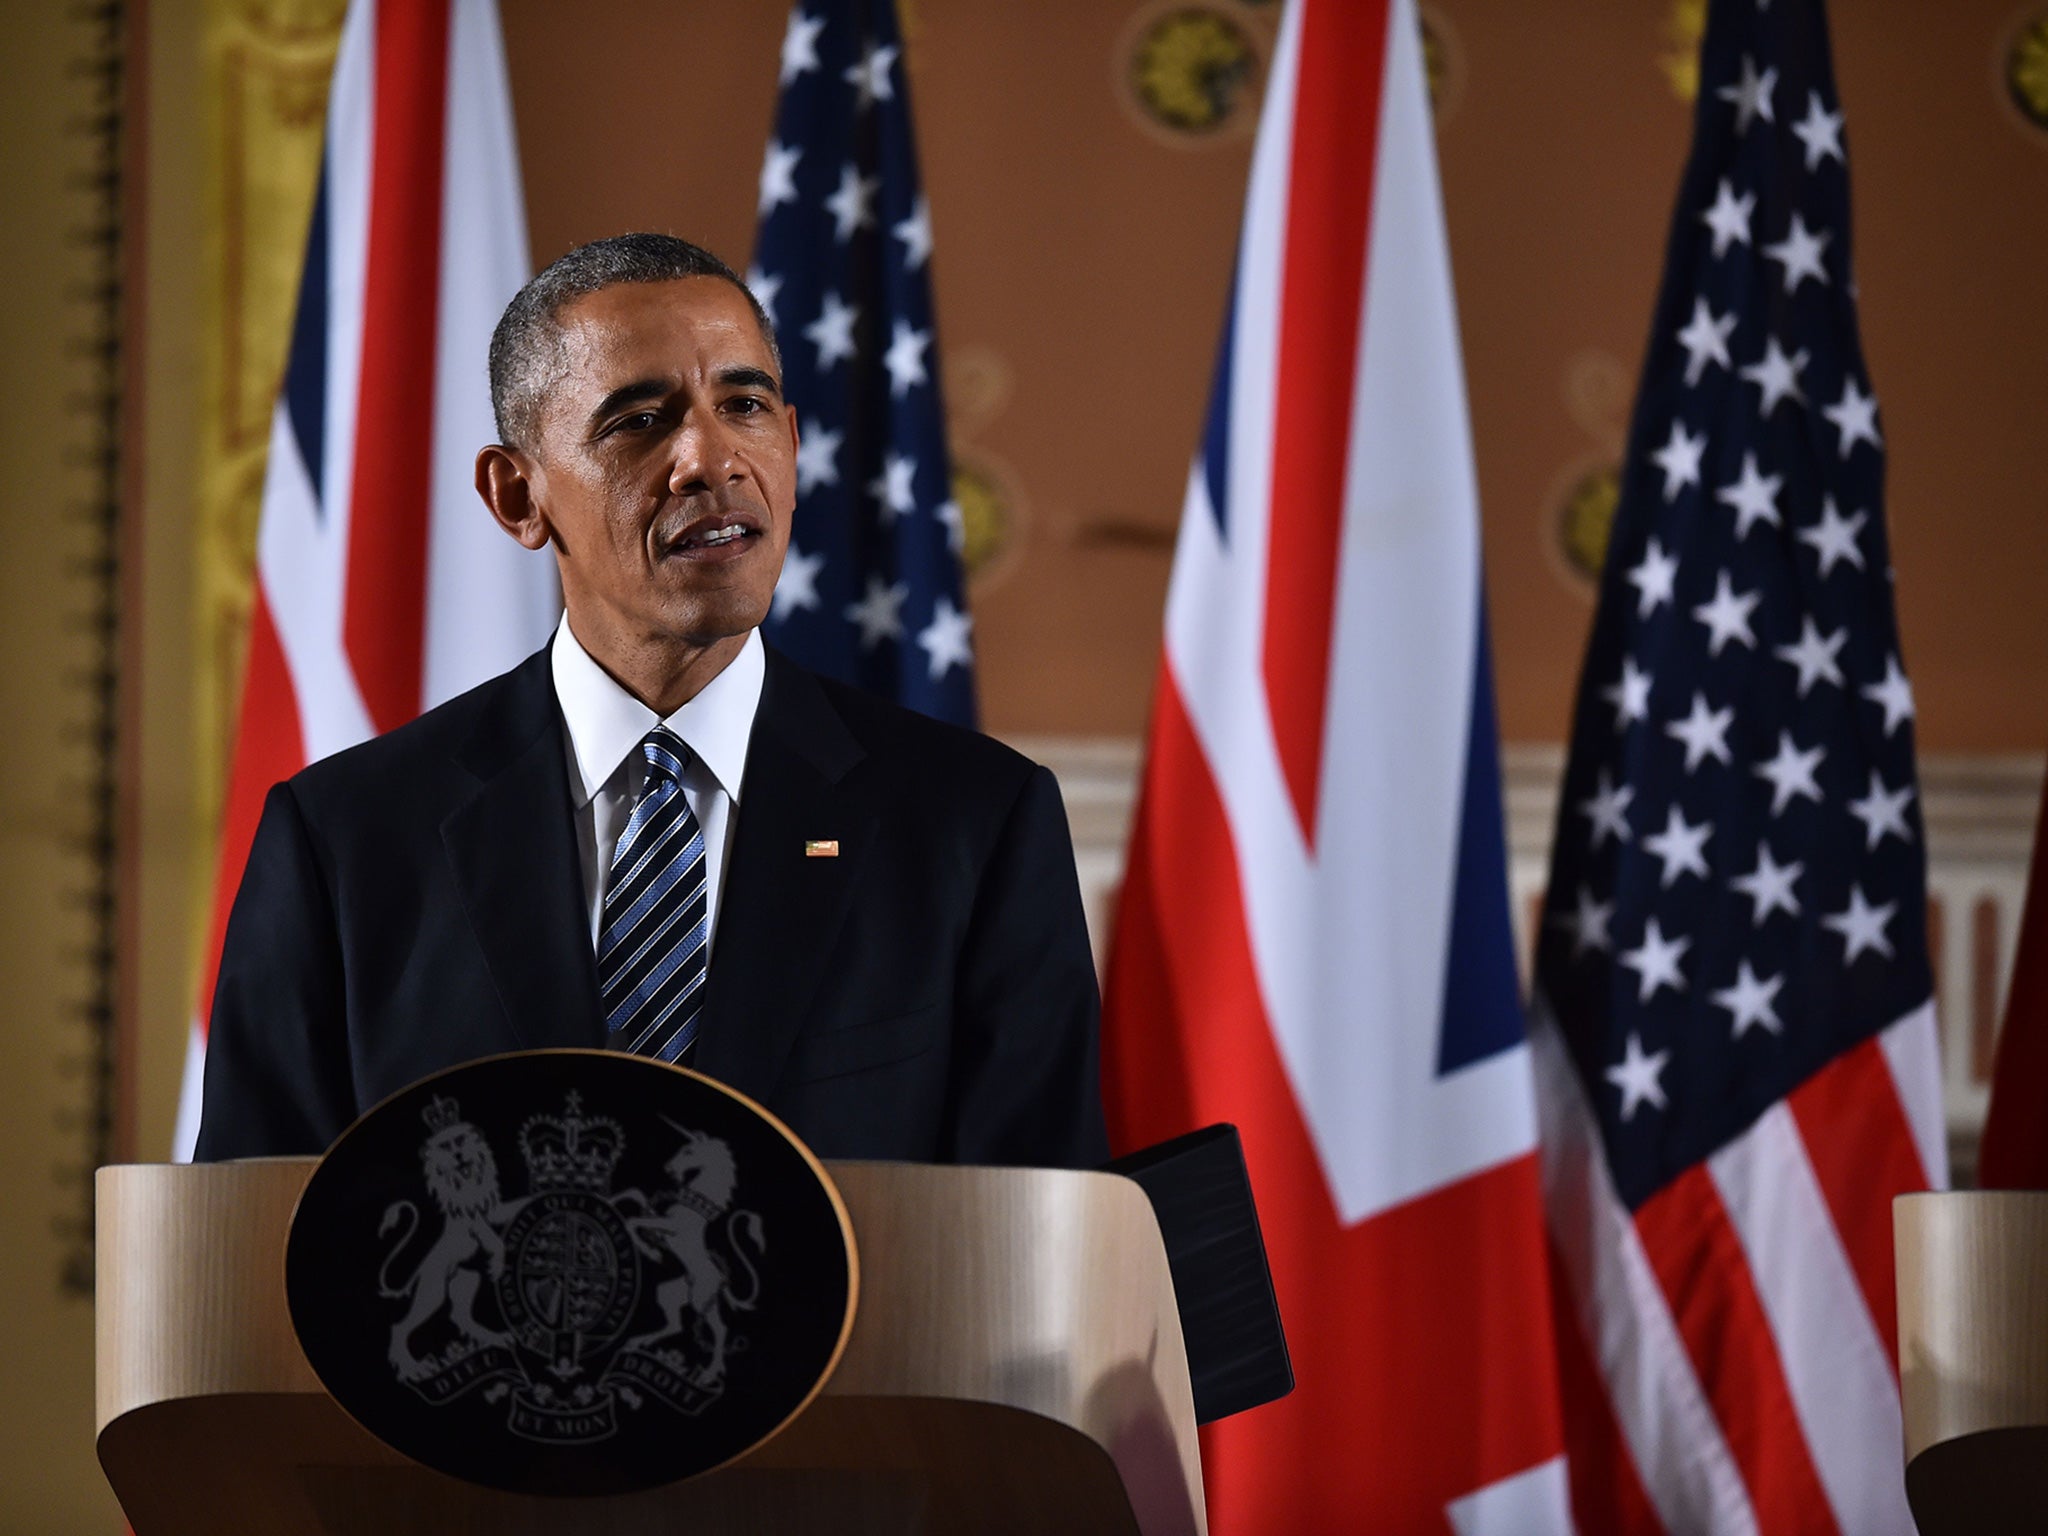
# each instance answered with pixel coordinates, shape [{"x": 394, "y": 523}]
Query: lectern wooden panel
[
  {"x": 1973, "y": 1359},
  {"x": 1016, "y": 1364}
]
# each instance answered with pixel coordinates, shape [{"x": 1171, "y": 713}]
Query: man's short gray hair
[{"x": 526, "y": 347}]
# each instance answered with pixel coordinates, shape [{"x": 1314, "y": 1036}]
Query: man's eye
[
  {"x": 746, "y": 405},
  {"x": 638, "y": 421}
]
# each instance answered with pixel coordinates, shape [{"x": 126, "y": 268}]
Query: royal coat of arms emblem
[{"x": 624, "y": 1274}]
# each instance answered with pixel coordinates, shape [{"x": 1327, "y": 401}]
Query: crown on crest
[
  {"x": 441, "y": 1113},
  {"x": 571, "y": 1151}
]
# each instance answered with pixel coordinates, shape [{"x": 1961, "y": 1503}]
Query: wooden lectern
[
  {"x": 1016, "y": 1365},
  {"x": 1973, "y": 1359}
]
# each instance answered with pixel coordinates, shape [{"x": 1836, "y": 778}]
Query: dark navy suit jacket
[{"x": 416, "y": 902}]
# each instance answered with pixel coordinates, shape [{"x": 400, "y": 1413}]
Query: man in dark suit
[{"x": 882, "y": 937}]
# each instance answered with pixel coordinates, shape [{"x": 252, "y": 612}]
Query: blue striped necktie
[{"x": 654, "y": 938}]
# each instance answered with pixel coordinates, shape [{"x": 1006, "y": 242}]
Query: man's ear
[{"x": 504, "y": 479}]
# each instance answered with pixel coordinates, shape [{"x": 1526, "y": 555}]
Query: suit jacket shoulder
[
  {"x": 431, "y": 763},
  {"x": 921, "y": 755},
  {"x": 926, "y": 989}
]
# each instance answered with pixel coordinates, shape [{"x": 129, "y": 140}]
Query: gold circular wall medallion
[
  {"x": 1585, "y": 518},
  {"x": 2025, "y": 72},
  {"x": 1192, "y": 71},
  {"x": 988, "y": 516}
]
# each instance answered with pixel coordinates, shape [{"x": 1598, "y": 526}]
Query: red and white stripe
[
  {"x": 1729, "y": 1352},
  {"x": 382, "y": 587},
  {"x": 1283, "y": 937}
]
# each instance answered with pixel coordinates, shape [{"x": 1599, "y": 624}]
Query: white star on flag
[
  {"x": 1854, "y": 416},
  {"x": 954, "y": 521},
  {"x": 800, "y": 45},
  {"x": 870, "y": 75},
  {"x": 1777, "y": 376},
  {"x": 1814, "y": 655},
  {"x": 852, "y": 206},
  {"x": 1893, "y": 693},
  {"x": 1680, "y": 847},
  {"x": 817, "y": 459},
  {"x": 1727, "y": 616},
  {"x": 892, "y": 488},
  {"x": 1637, "y": 1076},
  {"x": 1631, "y": 696},
  {"x": 832, "y": 331},
  {"x": 1769, "y": 886},
  {"x": 1729, "y": 217},
  {"x": 880, "y": 613},
  {"x": 778, "y": 177},
  {"x": 764, "y": 286},
  {"x": 1608, "y": 810},
  {"x": 1750, "y": 1000},
  {"x": 1751, "y": 95},
  {"x": 1653, "y": 579},
  {"x": 1799, "y": 253},
  {"x": 1820, "y": 131},
  {"x": 1588, "y": 924},
  {"x": 1704, "y": 732},
  {"x": 916, "y": 234},
  {"x": 1883, "y": 811},
  {"x": 1754, "y": 496},
  {"x": 797, "y": 586},
  {"x": 1861, "y": 926},
  {"x": 1679, "y": 458},
  {"x": 1791, "y": 773},
  {"x": 1705, "y": 339},
  {"x": 1655, "y": 962},
  {"x": 945, "y": 639},
  {"x": 905, "y": 358},
  {"x": 1834, "y": 536}
]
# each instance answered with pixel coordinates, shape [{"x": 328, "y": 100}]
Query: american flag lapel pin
[{"x": 821, "y": 848}]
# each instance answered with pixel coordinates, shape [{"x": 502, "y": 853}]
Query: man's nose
[{"x": 704, "y": 457}]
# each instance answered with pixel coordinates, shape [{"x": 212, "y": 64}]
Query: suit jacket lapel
[
  {"x": 780, "y": 910},
  {"x": 513, "y": 848}
]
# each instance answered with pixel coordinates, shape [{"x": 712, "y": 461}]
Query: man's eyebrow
[
  {"x": 629, "y": 394},
  {"x": 742, "y": 376},
  {"x": 746, "y": 377}
]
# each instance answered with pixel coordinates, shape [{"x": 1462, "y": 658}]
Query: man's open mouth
[{"x": 715, "y": 535}]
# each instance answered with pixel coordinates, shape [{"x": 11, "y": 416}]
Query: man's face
[{"x": 666, "y": 465}]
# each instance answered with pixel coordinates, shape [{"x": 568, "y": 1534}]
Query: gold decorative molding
[{"x": 267, "y": 64}]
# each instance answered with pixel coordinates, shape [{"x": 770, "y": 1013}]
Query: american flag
[
  {"x": 1735, "y": 1019},
  {"x": 382, "y": 588},
  {"x": 1313, "y": 937},
  {"x": 871, "y": 592}
]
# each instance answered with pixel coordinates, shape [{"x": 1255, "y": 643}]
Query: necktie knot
[{"x": 665, "y": 756}]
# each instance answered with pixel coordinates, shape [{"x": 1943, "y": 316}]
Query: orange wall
[{"x": 1082, "y": 253}]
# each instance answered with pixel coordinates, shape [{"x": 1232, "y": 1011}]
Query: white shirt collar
[{"x": 606, "y": 723}]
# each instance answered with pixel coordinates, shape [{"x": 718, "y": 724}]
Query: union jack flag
[
  {"x": 382, "y": 588},
  {"x": 871, "y": 590},
  {"x": 1313, "y": 937},
  {"x": 1734, "y": 1025}
]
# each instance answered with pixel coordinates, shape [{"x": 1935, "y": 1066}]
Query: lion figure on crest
[
  {"x": 679, "y": 1227},
  {"x": 462, "y": 1176}
]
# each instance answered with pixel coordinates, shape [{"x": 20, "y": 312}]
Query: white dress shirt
[{"x": 606, "y": 725}]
